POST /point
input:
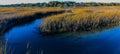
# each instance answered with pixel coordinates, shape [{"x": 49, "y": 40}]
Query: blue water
[{"x": 27, "y": 39}]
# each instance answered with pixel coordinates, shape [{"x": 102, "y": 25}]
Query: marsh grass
[
  {"x": 83, "y": 19},
  {"x": 10, "y": 17},
  {"x": 21, "y": 12},
  {"x": 7, "y": 49}
]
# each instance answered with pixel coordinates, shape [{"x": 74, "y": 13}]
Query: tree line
[{"x": 61, "y": 4}]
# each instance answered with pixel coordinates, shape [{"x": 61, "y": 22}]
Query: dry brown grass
[
  {"x": 86, "y": 18},
  {"x": 20, "y": 12},
  {"x": 10, "y": 17}
]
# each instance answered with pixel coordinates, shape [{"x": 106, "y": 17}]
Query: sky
[{"x": 36, "y": 1}]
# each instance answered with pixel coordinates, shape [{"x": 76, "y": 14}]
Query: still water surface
[{"x": 27, "y": 39}]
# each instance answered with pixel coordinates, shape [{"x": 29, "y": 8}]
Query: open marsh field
[
  {"x": 82, "y": 19},
  {"x": 60, "y": 30},
  {"x": 10, "y": 17},
  {"x": 25, "y": 11},
  {"x": 15, "y": 16}
]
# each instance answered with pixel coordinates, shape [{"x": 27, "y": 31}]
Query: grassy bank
[
  {"x": 82, "y": 19},
  {"x": 10, "y": 17}
]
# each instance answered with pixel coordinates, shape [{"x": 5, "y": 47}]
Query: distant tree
[{"x": 61, "y": 4}]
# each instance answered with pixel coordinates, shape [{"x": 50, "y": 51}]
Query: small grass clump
[{"x": 80, "y": 20}]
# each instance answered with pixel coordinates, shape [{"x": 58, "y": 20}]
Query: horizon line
[{"x": 58, "y": 1}]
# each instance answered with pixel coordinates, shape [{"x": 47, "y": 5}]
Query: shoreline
[
  {"x": 6, "y": 24},
  {"x": 85, "y": 19}
]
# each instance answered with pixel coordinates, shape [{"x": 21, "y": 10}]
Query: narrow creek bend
[{"x": 27, "y": 39}]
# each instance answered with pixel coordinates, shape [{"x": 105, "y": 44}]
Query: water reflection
[{"x": 27, "y": 39}]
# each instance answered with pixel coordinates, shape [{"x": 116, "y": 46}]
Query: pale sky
[{"x": 36, "y": 1}]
